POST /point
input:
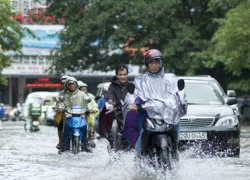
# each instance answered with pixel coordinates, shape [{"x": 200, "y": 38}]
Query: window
[
  {"x": 16, "y": 59},
  {"x": 33, "y": 60},
  {"x": 26, "y": 60},
  {"x": 202, "y": 93},
  {"x": 41, "y": 60}
]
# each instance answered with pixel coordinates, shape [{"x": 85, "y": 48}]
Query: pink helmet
[{"x": 152, "y": 54}]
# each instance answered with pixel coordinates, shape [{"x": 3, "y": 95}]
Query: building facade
[{"x": 29, "y": 71}]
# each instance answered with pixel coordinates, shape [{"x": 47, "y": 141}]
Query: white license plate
[
  {"x": 35, "y": 123},
  {"x": 193, "y": 135}
]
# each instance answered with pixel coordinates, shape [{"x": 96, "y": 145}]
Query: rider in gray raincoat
[
  {"x": 73, "y": 97},
  {"x": 158, "y": 94}
]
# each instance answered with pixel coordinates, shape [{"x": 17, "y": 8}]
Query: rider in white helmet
[
  {"x": 59, "y": 118},
  {"x": 93, "y": 112},
  {"x": 74, "y": 97}
]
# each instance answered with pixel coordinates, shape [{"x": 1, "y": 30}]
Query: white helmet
[
  {"x": 81, "y": 84},
  {"x": 70, "y": 80},
  {"x": 64, "y": 78}
]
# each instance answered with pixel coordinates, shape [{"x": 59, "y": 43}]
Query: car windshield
[
  {"x": 99, "y": 92},
  {"x": 202, "y": 93},
  {"x": 38, "y": 100}
]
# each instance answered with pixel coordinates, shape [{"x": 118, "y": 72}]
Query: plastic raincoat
[{"x": 158, "y": 94}]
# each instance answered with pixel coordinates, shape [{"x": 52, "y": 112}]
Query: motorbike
[
  {"x": 75, "y": 129},
  {"x": 116, "y": 139},
  {"x": 35, "y": 111},
  {"x": 159, "y": 140},
  {"x": 111, "y": 128}
]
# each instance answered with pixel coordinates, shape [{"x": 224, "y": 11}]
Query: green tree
[
  {"x": 227, "y": 52},
  {"x": 102, "y": 34},
  {"x": 96, "y": 32},
  {"x": 231, "y": 45},
  {"x": 10, "y": 35}
]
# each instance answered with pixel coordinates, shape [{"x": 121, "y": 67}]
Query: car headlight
[{"x": 227, "y": 121}]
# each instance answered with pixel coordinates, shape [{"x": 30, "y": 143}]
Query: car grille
[{"x": 194, "y": 121}]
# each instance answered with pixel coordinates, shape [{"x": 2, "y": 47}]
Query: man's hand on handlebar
[{"x": 132, "y": 107}]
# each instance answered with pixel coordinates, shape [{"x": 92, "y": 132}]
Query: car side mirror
[
  {"x": 181, "y": 84},
  {"x": 131, "y": 88},
  {"x": 231, "y": 93},
  {"x": 232, "y": 100},
  {"x": 231, "y": 97}
]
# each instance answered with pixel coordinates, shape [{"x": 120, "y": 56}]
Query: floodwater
[{"x": 25, "y": 155}]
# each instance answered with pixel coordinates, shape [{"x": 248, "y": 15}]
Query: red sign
[
  {"x": 43, "y": 79},
  {"x": 43, "y": 85},
  {"x": 38, "y": 18}
]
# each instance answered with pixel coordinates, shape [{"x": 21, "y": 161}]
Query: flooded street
[{"x": 25, "y": 155}]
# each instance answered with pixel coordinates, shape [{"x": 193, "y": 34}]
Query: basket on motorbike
[{"x": 35, "y": 109}]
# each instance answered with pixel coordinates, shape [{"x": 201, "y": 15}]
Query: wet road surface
[{"x": 25, "y": 155}]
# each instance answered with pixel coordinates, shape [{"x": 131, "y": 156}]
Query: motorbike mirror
[
  {"x": 131, "y": 88},
  {"x": 88, "y": 100},
  {"x": 61, "y": 99},
  {"x": 181, "y": 84}
]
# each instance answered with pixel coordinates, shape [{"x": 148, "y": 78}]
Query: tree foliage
[
  {"x": 230, "y": 46},
  {"x": 105, "y": 33},
  {"x": 101, "y": 34},
  {"x": 10, "y": 34}
]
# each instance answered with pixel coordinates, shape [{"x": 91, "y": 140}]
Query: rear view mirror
[
  {"x": 231, "y": 93},
  {"x": 61, "y": 99},
  {"x": 131, "y": 88},
  {"x": 88, "y": 100},
  {"x": 181, "y": 84},
  {"x": 232, "y": 100},
  {"x": 231, "y": 97}
]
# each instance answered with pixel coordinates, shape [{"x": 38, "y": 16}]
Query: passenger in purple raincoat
[{"x": 157, "y": 93}]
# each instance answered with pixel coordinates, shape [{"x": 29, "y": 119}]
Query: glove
[{"x": 108, "y": 106}]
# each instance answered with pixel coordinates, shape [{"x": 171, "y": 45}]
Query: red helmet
[{"x": 152, "y": 54}]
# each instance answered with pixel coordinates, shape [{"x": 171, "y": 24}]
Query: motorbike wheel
[
  {"x": 165, "y": 158},
  {"x": 76, "y": 145},
  {"x": 162, "y": 156},
  {"x": 114, "y": 131}
]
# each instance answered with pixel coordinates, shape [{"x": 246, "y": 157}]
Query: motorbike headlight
[
  {"x": 150, "y": 124},
  {"x": 227, "y": 121}
]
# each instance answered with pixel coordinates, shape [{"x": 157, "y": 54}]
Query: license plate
[
  {"x": 35, "y": 123},
  {"x": 193, "y": 135}
]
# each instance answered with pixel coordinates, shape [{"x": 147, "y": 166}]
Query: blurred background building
[{"x": 29, "y": 71}]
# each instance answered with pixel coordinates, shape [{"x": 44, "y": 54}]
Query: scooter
[
  {"x": 159, "y": 140},
  {"x": 35, "y": 111},
  {"x": 75, "y": 129},
  {"x": 116, "y": 139}
]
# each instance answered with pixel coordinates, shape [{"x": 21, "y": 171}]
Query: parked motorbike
[
  {"x": 35, "y": 111},
  {"x": 159, "y": 140},
  {"x": 75, "y": 129}
]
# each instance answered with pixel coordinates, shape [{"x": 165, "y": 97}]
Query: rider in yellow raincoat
[{"x": 93, "y": 112}]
